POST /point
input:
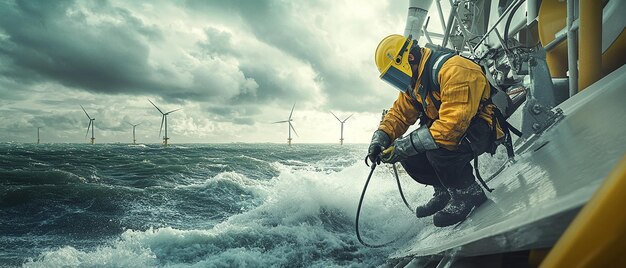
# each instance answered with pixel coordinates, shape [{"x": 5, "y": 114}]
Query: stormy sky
[{"x": 234, "y": 67}]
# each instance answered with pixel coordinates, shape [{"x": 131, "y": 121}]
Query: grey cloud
[
  {"x": 46, "y": 39},
  {"x": 271, "y": 22},
  {"x": 24, "y": 119},
  {"x": 279, "y": 25},
  {"x": 241, "y": 115},
  {"x": 11, "y": 90},
  {"x": 271, "y": 87},
  {"x": 54, "y": 121},
  {"x": 218, "y": 42},
  {"x": 56, "y": 41}
]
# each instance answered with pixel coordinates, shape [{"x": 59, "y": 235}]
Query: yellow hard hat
[{"x": 392, "y": 60}]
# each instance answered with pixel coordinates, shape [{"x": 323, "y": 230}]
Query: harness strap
[
  {"x": 475, "y": 155},
  {"x": 429, "y": 81},
  {"x": 436, "y": 67},
  {"x": 480, "y": 178},
  {"x": 507, "y": 128}
]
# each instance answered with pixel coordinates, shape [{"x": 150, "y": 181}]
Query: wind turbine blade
[
  {"x": 138, "y": 124},
  {"x": 88, "y": 126},
  {"x": 284, "y": 121},
  {"x": 294, "y": 106},
  {"x": 294, "y": 130},
  {"x": 160, "y": 129},
  {"x": 347, "y": 118},
  {"x": 335, "y": 116},
  {"x": 85, "y": 112},
  {"x": 173, "y": 111},
  {"x": 129, "y": 123},
  {"x": 155, "y": 106}
]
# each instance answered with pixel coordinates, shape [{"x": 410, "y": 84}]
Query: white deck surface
[{"x": 536, "y": 197}]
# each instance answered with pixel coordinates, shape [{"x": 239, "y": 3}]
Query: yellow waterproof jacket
[{"x": 463, "y": 90}]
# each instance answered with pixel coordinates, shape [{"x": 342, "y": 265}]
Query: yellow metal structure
[
  {"x": 590, "y": 44},
  {"x": 552, "y": 19},
  {"x": 552, "y": 14},
  {"x": 597, "y": 237},
  {"x": 613, "y": 57}
]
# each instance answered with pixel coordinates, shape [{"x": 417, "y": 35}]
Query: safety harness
[{"x": 429, "y": 83}]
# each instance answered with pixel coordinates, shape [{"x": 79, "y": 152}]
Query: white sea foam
[
  {"x": 256, "y": 187},
  {"x": 137, "y": 145},
  {"x": 305, "y": 218},
  {"x": 251, "y": 158},
  {"x": 71, "y": 176}
]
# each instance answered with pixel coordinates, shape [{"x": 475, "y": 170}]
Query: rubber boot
[
  {"x": 438, "y": 202},
  {"x": 461, "y": 204}
]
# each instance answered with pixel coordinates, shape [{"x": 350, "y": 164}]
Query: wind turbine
[
  {"x": 91, "y": 125},
  {"x": 340, "y": 121},
  {"x": 134, "y": 126},
  {"x": 38, "y": 134},
  {"x": 290, "y": 125},
  {"x": 163, "y": 120}
]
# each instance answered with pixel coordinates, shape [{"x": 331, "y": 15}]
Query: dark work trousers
[{"x": 452, "y": 169}]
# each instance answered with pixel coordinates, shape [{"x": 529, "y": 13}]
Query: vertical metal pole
[
  {"x": 38, "y": 135},
  {"x": 572, "y": 46},
  {"x": 425, "y": 31},
  {"x": 451, "y": 24},
  {"x": 341, "y": 140},
  {"x": 531, "y": 11},
  {"x": 590, "y": 50},
  {"x": 440, "y": 11},
  {"x": 417, "y": 13}
]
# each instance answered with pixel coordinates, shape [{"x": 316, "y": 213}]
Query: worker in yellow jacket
[{"x": 450, "y": 96}]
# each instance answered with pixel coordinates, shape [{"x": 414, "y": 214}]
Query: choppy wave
[{"x": 198, "y": 206}]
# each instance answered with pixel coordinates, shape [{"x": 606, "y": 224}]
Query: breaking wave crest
[{"x": 304, "y": 216}]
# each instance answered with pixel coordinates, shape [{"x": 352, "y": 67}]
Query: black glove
[
  {"x": 418, "y": 141},
  {"x": 380, "y": 141},
  {"x": 391, "y": 155}
]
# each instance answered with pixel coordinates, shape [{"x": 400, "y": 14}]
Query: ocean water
[{"x": 226, "y": 205}]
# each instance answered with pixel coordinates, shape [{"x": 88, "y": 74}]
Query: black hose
[
  {"x": 395, "y": 172},
  {"x": 508, "y": 24},
  {"x": 358, "y": 210}
]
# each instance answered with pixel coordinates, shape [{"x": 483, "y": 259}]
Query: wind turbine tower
[
  {"x": 135, "y": 126},
  {"x": 341, "y": 121},
  {"x": 38, "y": 134},
  {"x": 91, "y": 125},
  {"x": 290, "y": 126},
  {"x": 163, "y": 120}
]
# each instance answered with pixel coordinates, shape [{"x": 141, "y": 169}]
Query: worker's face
[{"x": 413, "y": 66}]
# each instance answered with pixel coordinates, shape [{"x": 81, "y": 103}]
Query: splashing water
[{"x": 253, "y": 205}]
